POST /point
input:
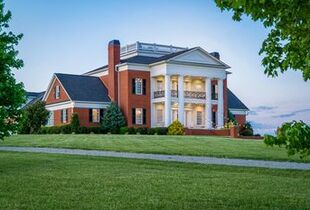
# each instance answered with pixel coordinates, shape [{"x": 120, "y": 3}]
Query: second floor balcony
[{"x": 187, "y": 94}]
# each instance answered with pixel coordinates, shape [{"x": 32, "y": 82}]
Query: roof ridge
[{"x": 79, "y": 75}]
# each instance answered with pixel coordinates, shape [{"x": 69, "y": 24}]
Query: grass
[
  {"x": 178, "y": 145},
  {"x": 46, "y": 181}
]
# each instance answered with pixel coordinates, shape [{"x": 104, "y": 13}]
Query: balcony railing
[
  {"x": 187, "y": 94},
  {"x": 195, "y": 94}
]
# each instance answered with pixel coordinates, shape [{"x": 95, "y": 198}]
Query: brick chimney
[
  {"x": 114, "y": 59},
  {"x": 216, "y": 55}
]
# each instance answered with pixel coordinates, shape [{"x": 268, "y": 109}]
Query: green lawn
[
  {"x": 46, "y": 181},
  {"x": 181, "y": 145}
]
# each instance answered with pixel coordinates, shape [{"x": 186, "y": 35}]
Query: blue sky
[{"x": 71, "y": 37}]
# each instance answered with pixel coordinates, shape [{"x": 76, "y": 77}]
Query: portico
[{"x": 189, "y": 99}]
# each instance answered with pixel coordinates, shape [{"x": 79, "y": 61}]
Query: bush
[
  {"x": 161, "y": 131},
  {"x": 123, "y": 130},
  {"x": 295, "y": 136},
  {"x": 83, "y": 130},
  {"x": 115, "y": 130},
  {"x": 132, "y": 130},
  {"x": 142, "y": 130},
  {"x": 151, "y": 131},
  {"x": 246, "y": 129},
  {"x": 75, "y": 123},
  {"x": 95, "y": 130},
  {"x": 176, "y": 128},
  {"x": 65, "y": 129}
]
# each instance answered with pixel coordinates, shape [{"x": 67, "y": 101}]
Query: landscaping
[
  {"x": 75, "y": 182},
  {"x": 177, "y": 145}
]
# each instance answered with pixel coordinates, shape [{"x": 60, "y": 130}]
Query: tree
[
  {"x": 287, "y": 44},
  {"x": 75, "y": 122},
  {"x": 295, "y": 136},
  {"x": 12, "y": 95},
  {"x": 113, "y": 118},
  {"x": 34, "y": 116}
]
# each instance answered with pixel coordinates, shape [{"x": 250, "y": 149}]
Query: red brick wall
[
  {"x": 105, "y": 80},
  {"x": 83, "y": 114},
  {"x": 241, "y": 119},
  {"x": 50, "y": 99},
  {"x": 129, "y": 100},
  {"x": 113, "y": 59},
  {"x": 57, "y": 117}
]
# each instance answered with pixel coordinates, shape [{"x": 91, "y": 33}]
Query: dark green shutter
[
  {"x": 133, "y": 86},
  {"x": 101, "y": 114},
  {"x": 133, "y": 116},
  {"x": 144, "y": 116},
  {"x": 144, "y": 87},
  {"x": 67, "y": 117},
  {"x": 61, "y": 116},
  {"x": 90, "y": 115}
]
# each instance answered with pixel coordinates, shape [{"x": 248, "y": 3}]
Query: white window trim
[
  {"x": 64, "y": 115},
  {"x": 57, "y": 94}
]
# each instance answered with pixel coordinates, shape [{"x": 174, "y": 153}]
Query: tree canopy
[
  {"x": 287, "y": 45},
  {"x": 11, "y": 92}
]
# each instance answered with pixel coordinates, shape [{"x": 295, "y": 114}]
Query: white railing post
[
  {"x": 181, "y": 98},
  {"x": 208, "y": 105},
  {"x": 167, "y": 101}
]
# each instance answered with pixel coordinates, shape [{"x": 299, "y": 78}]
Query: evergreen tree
[
  {"x": 113, "y": 118},
  {"x": 12, "y": 94},
  {"x": 75, "y": 123}
]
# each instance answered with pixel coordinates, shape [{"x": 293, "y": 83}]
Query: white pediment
[{"x": 198, "y": 55}]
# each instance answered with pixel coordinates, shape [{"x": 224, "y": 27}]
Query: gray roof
[
  {"x": 84, "y": 88},
  {"x": 234, "y": 102},
  {"x": 32, "y": 97}
]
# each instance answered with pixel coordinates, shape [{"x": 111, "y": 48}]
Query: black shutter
[
  {"x": 90, "y": 115},
  {"x": 133, "y": 116},
  {"x": 144, "y": 116},
  {"x": 61, "y": 116},
  {"x": 67, "y": 117},
  {"x": 144, "y": 87},
  {"x": 101, "y": 114},
  {"x": 133, "y": 86}
]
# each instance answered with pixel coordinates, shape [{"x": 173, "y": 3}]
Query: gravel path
[{"x": 176, "y": 158}]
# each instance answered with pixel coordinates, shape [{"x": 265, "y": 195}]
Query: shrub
[
  {"x": 142, "y": 130},
  {"x": 176, "y": 128},
  {"x": 161, "y": 131},
  {"x": 132, "y": 130},
  {"x": 246, "y": 129},
  {"x": 295, "y": 136},
  {"x": 75, "y": 123},
  {"x": 65, "y": 129},
  {"x": 83, "y": 130},
  {"x": 123, "y": 130},
  {"x": 115, "y": 130},
  {"x": 113, "y": 119},
  {"x": 95, "y": 130},
  {"x": 151, "y": 131}
]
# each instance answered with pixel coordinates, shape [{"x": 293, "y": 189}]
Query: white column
[
  {"x": 208, "y": 106},
  {"x": 181, "y": 98},
  {"x": 220, "y": 105},
  {"x": 167, "y": 101}
]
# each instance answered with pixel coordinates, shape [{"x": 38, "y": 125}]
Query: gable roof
[
  {"x": 234, "y": 102},
  {"x": 84, "y": 88},
  {"x": 33, "y": 97}
]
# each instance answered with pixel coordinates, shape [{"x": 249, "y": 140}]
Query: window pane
[
  {"x": 139, "y": 118},
  {"x": 64, "y": 115},
  {"x": 57, "y": 92},
  {"x": 138, "y": 86},
  {"x": 159, "y": 116},
  {"x": 96, "y": 115},
  {"x": 199, "y": 118}
]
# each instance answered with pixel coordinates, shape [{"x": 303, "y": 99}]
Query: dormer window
[{"x": 57, "y": 92}]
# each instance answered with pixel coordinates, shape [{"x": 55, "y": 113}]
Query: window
[
  {"x": 174, "y": 85},
  {"x": 174, "y": 115},
  {"x": 159, "y": 116},
  {"x": 139, "y": 116},
  {"x": 138, "y": 86},
  {"x": 95, "y": 115},
  {"x": 199, "y": 118},
  {"x": 64, "y": 115},
  {"x": 187, "y": 86},
  {"x": 214, "y": 92},
  {"x": 160, "y": 85},
  {"x": 57, "y": 92}
]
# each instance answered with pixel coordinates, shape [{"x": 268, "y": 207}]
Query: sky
[{"x": 71, "y": 37}]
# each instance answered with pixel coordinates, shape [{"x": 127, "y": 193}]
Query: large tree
[
  {"x": 11, "y": 92},
  {"x": 287, "y": 45}
]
